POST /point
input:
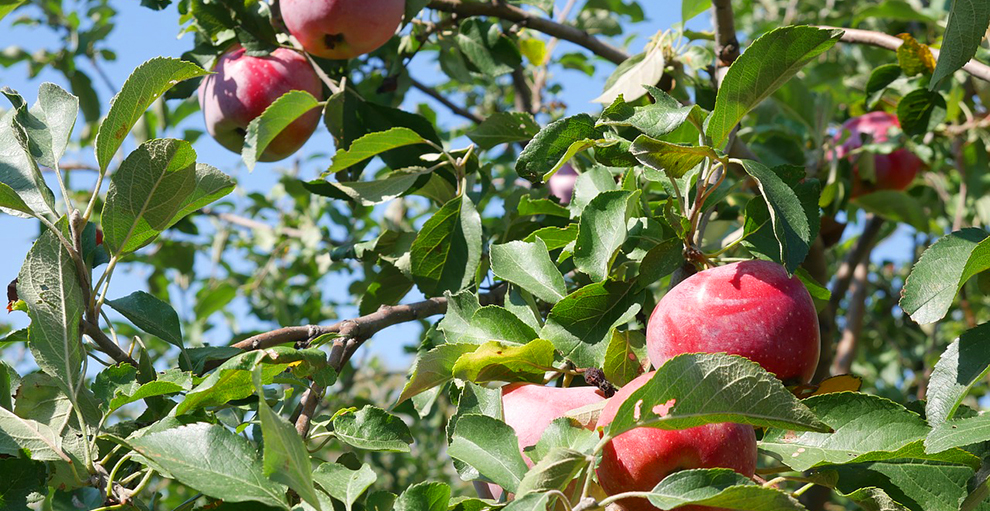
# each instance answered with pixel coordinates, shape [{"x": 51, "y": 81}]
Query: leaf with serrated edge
[
  {"x": 145, "y": 85},
  {"x": 212, "y": 460},
  {"x": 30, "y": 437},
  {"x": 964, "y": 363},
  {"x": 374, "y": 429},
  {"x": 433, "y": 367},
  {"x": 447, "y": 250},
  {"x": 702, "y": 388},
  {"x": 19, "y": 171},
  {"x": 372, "y": 145},
  {"x": 602, "y": 230},
  {"x": 278, "y": 116},
  {"x": 504, "y": 127},
  {"x": 964, "y": 31},
  {"x": 942, "y": 269},
  {"x": 490, "y": 446},
  {"x": 528, "y": 266},
  {"x": 344, "y": 484},
  {"x": 719, "y": 487}
]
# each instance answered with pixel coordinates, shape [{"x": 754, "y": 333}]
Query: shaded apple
[
  {"x": 342, "y": 29},
  {"x": 244, "y": 86},
  {"x": 561, "y": 184},
  {"x": 530, "y": 408},
  {"x": 892, "y": 171},
  {"x": 640, "y": 458},
  {"x": 750, "y": 308}
]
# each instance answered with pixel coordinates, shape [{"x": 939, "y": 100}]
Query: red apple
[
  {"x": 561, "y": 184},
  {"x": 751, "y": 308},
  {"x": 530, "y": 408},
  {"x": 640, "y": 458},
  {"x": 892, "y": 171},
  {"x": 342, "y": 29},
  {"x": 244, "y": 86}
]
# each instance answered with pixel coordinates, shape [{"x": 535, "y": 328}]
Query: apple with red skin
[
  {"x": 751, "y": 308},
  {"x": 530, "y": 408},
  {"x": 342, "y": 29},
  {"x": 244, "y": 86},
  {"x": 892, "y": 171},
  {"x": 640, "y": 458},
  {"x": 561, "y": 184}
]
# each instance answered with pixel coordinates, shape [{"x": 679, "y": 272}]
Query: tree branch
[
  {"x": 889, "y": 42},
  {"x": 105, "y": 343},
  {"x": 845, "y": 352},
  {"x": 844, "y": 275},
  {"x": 308, "y": 402},
  {"x": 516, "y": 15},
  {"x": 252, "y": 224},
  {"x": 726, "y": 44},
  {"x": 431, "y": 92}
]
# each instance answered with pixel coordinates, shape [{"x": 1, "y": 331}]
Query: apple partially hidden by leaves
[
  {"x": 640, "y": 458},
  {"x": 244, "y": 86},
  {"x": 891, "y": 171},
  {"x": 342, "y": 29},
  {"x": 750, "y": 308},
  {"x": 530, "y": 408}
]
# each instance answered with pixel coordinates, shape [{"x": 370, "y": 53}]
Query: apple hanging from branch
[{"x": 342, "y": 29}]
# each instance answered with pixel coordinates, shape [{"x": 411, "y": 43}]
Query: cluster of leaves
[{"x": 568, "y": 286}]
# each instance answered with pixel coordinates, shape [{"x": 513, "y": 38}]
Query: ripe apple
[
  {"x": 244, "y": 86},
  {"x": 751, "y": 308},
  {"x": 342, "y": 29},
  {"x": 640, "y": 458},
  {"x": 530, "y": 408},
  {"x": 561, "y": 184},
  {"x": 892, "y": 171}
]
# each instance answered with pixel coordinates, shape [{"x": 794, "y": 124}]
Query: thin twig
[
  {"x": 844, "y": 275},
  {"x": 431, "y": 92},
  {"x": 105, "y": 344},
  {"x": 845, "y": 351},
  {"x": 255, "y": 225},
  {"x": 880, "y": 40},
  {"x": 309, "y": 400},
  {"x": 516, "y": 15}
]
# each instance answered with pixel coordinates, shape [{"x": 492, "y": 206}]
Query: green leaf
[
  {"x": 661, "y": 261},
  {"x": 602, "y": 230},
  {"x": 424, "y": 497},
  {"x": 374, "y": 429},
  {"x": 563, "y": 432},
  {"x": 211, "y": 185},
  {"x": 22, "y": 478},
  {"x": 447, "y": 251},
  {"x": 549, "y": 146},
  {"x": 145, "y": 85},
  {"x": 150, "y": 314},
  {"x": 19, "y": 171},
  {"x": 766, "y": 65},
  {"x": 504, "y": 128},
  {"x": 964, "y": 363},
  {"x": 48, "y": 124},
  {"x": 7, "y": 6},
  {"x": 344, "y": 484},
  {"x": 921, "y": 111},
  {"x": 529, "y": 502},
  {"x": 233, "y": 379},
  {"x": 10, "y": 202},
  {"x": 580, "y": 325},
  {"x": 554, "y": 237},
  {"x": 880, "y": 78},
  {"x": 372, "y": 145},
  {"x": 718, "y": 487},
  {"x": 964, "y": 31},
  {"x": 528, "y": 266},
  {"x": 554, "y": 472},
  {"x": 147, "y": 192},
  {"x": 692, "y": 8},
  {"x": 896, "y": 206},
  {"x": 625, "y": 356},
  {"x": 528, "y": 207},
  {"x": 434, "y": 367},
  {"x": 787, "y": 214},
  {"x": 866, "y": 428},
  {"x": 655, "y": 120},
  {"x": 172, "y": 381},
  {"x": 370, "y": 193},
  {"x": 484, "y": 44},
  {"x": 496, "y": 361},
  {"x": 211, "y": 460},
  {"x": 28, "y": 438},
  {"x": 703, "y": 388},
  {"x": 263, "y": 129},
  {"x": 674, "y": 160},
  {"x": 645, "y": 71},
  {"x": 918, "y": 485},
  {"x": 49, "y": 285},
  {"x": 474, "y": 400},
  {"x": 285, "y": 458},
  {"x": 491, "y": 447},
  {"x": 942, "y": 269}
]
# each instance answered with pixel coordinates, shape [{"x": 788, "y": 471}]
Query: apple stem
[
  {"x": 800, "y": 491},
  {"x": 626, "y": 495}
]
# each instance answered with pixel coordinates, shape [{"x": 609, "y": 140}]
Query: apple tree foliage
[{"x": 706, "y": 147}]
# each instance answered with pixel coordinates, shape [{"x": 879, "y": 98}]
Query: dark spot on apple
[{"x": 332, "y": 40}]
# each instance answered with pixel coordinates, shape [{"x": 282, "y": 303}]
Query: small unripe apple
[
  {"x": 751, "y": 308},
  {"x": 342, "y": 29},
  {"x": 561, "y": 184},
  {"x": 530, "y": 408},
  {"x": 244, "y": 86},
  {"x": 892, "y": 171},
  {"x": 640, "y": 458}
]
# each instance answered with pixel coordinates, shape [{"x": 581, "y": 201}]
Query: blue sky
[{"x": 142, "y": 34}]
